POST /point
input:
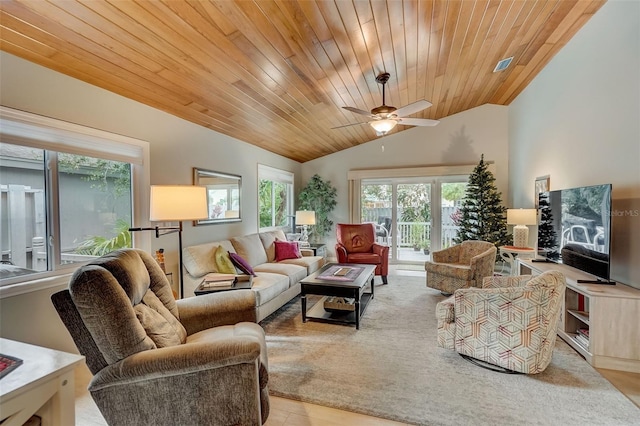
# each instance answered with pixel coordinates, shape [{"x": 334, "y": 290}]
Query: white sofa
[{"x": 276, "y": 282}]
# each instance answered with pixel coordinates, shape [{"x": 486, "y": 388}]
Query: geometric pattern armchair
[
  {"x": 158, "y": 361},
  {"x": 460, "y": 266},
  {"x": 356, "y": 243},
  {"x": 510, "y": 322}
]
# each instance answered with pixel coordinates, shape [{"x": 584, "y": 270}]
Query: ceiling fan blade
[
  {"x": 349, "y": 125},
  {"x": 417, "y": 121},
  {"x": 359, "y": 111},
  {"x": 412, "y": 108}
]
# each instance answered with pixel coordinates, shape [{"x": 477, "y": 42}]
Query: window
[
  {"x": 66, "y": 194},
  {"x": 275, "y": 197}
]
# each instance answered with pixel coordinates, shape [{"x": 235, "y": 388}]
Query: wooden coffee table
[{"x": 324, "y": 283}]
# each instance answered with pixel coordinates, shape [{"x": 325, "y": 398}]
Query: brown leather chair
[{"x": 357, "y": 244}]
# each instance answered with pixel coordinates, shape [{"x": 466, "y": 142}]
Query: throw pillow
[
  {"x": 241, "y": 264},
  {"x": 223, "y": 262},
  {"x": 287, "y": 250}
]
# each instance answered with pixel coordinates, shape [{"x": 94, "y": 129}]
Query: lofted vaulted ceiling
[{"x": 276, "y": 74}]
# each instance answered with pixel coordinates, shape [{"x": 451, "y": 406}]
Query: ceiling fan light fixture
[{"x": 383, "y": 126}]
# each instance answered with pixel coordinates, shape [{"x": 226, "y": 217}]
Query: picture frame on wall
[{"x": 542, "y": 184}]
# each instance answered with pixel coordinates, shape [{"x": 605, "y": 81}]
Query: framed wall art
[{"x": 541, "y": 185}]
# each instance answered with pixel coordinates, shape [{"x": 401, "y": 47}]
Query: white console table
[
  {"x": 610, "y": 313},
  {"x": 42, "y": 385}
]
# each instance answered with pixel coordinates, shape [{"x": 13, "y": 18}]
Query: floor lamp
[{"x": 176, "y": 203}]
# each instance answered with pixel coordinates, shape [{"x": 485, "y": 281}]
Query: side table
[
  {"x": 318, "y": 249},
  {"x": 509, "y": 254},
  {"x": 42, "y": 385},
  {"x": 241, "y": 282}
]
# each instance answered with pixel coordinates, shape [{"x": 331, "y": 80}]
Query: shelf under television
[{"x": 580, "y": 315}]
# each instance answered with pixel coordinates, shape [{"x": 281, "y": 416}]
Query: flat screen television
[{"x": 574, "y": 228}]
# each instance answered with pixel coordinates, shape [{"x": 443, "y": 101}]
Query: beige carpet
[{"x": 392, "y": 368}]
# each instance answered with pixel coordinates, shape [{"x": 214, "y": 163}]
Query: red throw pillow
[
  {"x": 287, "y": 250},
  {"x": 241, "y": 264}
]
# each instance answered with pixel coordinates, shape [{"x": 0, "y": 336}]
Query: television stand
[{"x": 606, "y": 315}]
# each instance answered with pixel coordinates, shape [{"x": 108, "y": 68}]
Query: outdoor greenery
[
  {"x": 453, "y": 191},
  {"x": 272, "y": 198},
  {"x": 319, "y": 196},
  {"x": 415, "y": 202},
  {"x": 113, "y": 180},
  {"x": 483, "y": 217},
  {"x": 98, "y": 245}
]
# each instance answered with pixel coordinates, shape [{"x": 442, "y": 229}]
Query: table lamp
[
  {"x": 305, "y": 218},
  {"x": 176, "y": 203},
  {"x": 521, "y": 218}
]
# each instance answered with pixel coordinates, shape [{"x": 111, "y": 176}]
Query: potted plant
[
  {"x": 426, "y": 245},
  {"x": 319, "y": 196},
  {"x": 417, "y": 236}
]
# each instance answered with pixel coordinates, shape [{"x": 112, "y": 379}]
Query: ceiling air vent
[{"x": 503, "y": 64}]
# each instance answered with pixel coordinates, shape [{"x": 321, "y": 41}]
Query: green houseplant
[{"x": 319, "y": 196}]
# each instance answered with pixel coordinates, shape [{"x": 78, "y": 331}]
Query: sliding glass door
[
  {"x": 413, "y": 211},
  {"x": 414, "y": 216}
]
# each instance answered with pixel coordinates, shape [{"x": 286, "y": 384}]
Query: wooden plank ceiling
[{"x": 276, "y": 74}]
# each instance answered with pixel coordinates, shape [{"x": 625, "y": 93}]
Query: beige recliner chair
[
  {"x": 460, "y": 266},
  {"x": 511, "y": 322},
  {"x": 155, "y": 361}
]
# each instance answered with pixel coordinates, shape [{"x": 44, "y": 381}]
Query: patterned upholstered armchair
[
  {"x": 158, "y": 361},
  {"x": 460, "y": 266},
  {"x": 356, "y": 243},
  {"x": 510, "y": 322}
]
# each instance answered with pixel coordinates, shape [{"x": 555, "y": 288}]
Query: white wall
[
  {"x": 579, "y": 122},
  {"x": 458, "y": 139},
  {"x": 176, "y": 147}
]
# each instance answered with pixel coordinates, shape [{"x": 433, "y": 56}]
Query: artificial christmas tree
[
  {"x": 483, "y": 217},
  {"x": 547, "y": 238}
]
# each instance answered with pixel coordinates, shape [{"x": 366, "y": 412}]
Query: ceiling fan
[{"x": 386, "y": 117}]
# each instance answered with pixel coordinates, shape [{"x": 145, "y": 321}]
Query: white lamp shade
[
  {"x": 522, "y": 217},
  {"x": 383, "y": 126},
  {"x": 169, "y": 203},
  {"x": 305, "y": 217}
]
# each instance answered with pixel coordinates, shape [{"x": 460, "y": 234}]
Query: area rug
[{"x": 392, "y": 368}]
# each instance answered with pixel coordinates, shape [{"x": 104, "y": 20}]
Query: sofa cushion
[
  {"x": 223, "y": 261},
  {"x": 268, "y": 286},
  {"x": 241, "y": 264},
  {"x": 453, "y": 270},
  {"x": 200, "y": 259},
  {"x": 287, "y": 250},
  {"x": 370, "y": 258},
  {"x": 152, "y": 300},
  {"x": 268, "y": 238},
  {"x": 294, "y": 272},
  {"x": 312, "y": 263},
  {"x": 250, "y": 248},
  {"x": 156, "y": 326}
]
